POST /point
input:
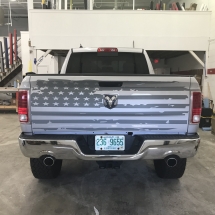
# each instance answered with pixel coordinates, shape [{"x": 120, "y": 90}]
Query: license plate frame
[{"x": 109, "y": 142}]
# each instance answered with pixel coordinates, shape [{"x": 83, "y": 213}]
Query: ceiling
[{"x": 19, "y": 7}]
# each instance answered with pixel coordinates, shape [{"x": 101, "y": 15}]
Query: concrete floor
[{"x": 133, "y": 190}]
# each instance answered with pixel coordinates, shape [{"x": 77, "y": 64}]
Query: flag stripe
[
  {"x": 103, "y": 109},
  {"x": 107, "y": 114},
  {"x": 103, "y": 126},
  {"x": 119, "y": 119},
  {"x": 67, "y": 122}
]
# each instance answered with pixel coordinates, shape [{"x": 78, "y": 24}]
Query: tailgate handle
[{"x": 110, "y": 84}]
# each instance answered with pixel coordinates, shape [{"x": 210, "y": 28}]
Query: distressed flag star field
[{"x": 65, "y": 94}]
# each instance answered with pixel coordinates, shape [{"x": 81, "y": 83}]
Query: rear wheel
[
  {"x": 172, "y": 171},
  {"x": 41, "y": 171}
]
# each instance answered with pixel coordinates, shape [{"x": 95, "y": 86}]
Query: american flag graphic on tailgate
[
  {"x": 75, "y": 106},
  {"x": 55, "y": 94}
]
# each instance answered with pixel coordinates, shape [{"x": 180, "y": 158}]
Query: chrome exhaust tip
[
  {"x": 48, "y": 161},
  {"x": 171, "y": 162}
]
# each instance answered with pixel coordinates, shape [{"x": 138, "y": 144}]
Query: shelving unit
[
  {"x": 9, "y": 107},
  {"x": 12, "y": 107}
]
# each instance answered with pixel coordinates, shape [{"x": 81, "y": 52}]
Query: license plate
[{"x": 109, "y": 143}]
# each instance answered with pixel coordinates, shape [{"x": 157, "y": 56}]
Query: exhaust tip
[
  {"x": 48, "y": 161},
  {"x": 171, "y": 162}
]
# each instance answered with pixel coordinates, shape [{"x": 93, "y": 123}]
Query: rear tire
[
  {"x": 164, "y": 171},
  {"x": 41, "y": 171}
]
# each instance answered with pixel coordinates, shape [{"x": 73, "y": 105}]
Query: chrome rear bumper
[{"x": 69, "y": 149}]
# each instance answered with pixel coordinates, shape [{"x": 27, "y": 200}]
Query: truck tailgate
[{"x": 74, "y": 104}]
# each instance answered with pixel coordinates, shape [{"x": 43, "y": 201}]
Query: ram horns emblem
[{"x": 110, "y": 101}]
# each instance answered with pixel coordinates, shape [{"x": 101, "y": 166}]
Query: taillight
[
  {"x": 196, "y": 107},
  {"x": 23, "y": 106},
  {"x": 107, "y": 50}
]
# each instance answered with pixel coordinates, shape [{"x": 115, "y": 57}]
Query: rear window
[{"x": 123, "y": 63}]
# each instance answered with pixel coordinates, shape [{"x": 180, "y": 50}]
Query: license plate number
[{"x": 109, "y": 143}]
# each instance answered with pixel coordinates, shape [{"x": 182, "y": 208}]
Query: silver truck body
[{"x": 66, "y": 111}]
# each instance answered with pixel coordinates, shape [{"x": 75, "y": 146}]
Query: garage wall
[
  {"x": 185, "y": 62},
  {"x": 20, "y": 24},
  {"x": 17, "y": 77},
  {"x": 211, "y": 59},
  {"x": 25, "y": 51},
  {"x": 60, "y": 62},
  {"x": 120, "y": 29},
  {"x": 209, "y": 89},
  {"x": 207, "y": 81},
  {"x": 209, "y": 86},
  {"x": 160, "y": 64},
  {"x": 46, "y": 66}
]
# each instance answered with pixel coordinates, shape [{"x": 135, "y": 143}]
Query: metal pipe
[
  {"x": 104, "y": 3},
  {"x": 1, "y": 58},
  {"x": 60, "y": 7},
  {"x": 197, "y": 58},
  {"x": 115, "y": 5},
  {"x": 38, "y": 2},
  {"x": 17, "y": 8},
  {"x": 65, "y": 4},
  {"x": 11, "y": 48},
  {"x": 70, "y": 5},
  {"x": 15, "y": 45},
  {"x": 43, "y": 56},
  {"x": 16, "y": 16},
  {"x": 48, "y": 161},
  {"x": 90, "y": 2},
  {"x": 171, "y": 162},
  {"x": 6, "y": 53}
]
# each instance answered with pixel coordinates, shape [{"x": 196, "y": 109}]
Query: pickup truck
[{"x": 108, "y": 106}]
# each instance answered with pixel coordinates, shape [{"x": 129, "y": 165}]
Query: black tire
[
  {"x": 164, "y": 171},
  {"x": 41, "y": 171}
]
